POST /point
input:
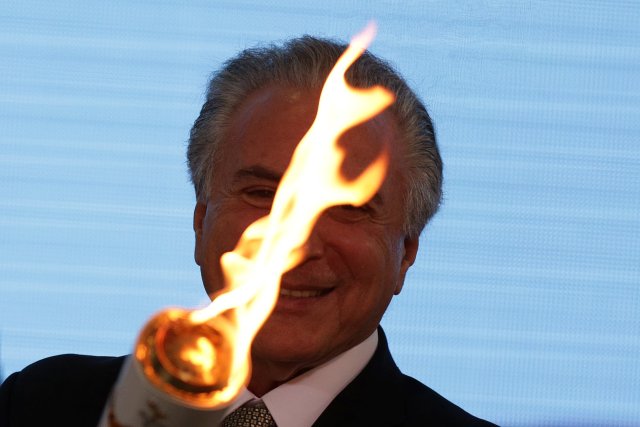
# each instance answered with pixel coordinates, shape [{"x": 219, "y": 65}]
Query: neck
[{"x": 266, "y": 376}]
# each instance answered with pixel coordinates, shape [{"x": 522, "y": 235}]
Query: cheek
[
  {"x": 226, "y": 223},
  {"x": 359, "y": 254},
  {"x": 223, "y": 231},
  {"x": 220, "y": 234},
  {"x": 370, "y": 260}
]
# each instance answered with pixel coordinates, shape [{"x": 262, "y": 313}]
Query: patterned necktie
[{"x": 252, "y": 414}]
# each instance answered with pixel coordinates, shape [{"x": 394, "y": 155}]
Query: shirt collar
[{"x": 299, "y": 402}]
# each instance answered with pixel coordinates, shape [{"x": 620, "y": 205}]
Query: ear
[
  {"x": 410, "y": 246},
  {"x": 199, "y": 213}
]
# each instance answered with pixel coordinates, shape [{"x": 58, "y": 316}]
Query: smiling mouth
[{"x": 291, "y": 293}]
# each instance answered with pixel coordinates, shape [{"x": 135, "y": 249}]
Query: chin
[{"x": 288, "y": 346}]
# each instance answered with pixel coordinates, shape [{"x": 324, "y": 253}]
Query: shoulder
[
  {"x": 69, "y": 373},
  {"x": 421, "y": 403},
  {"x": 418, "y": 404},
  {"x": 70, "y": 389}
]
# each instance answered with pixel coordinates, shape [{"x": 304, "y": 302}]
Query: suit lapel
[{"x": 373, "y": 398}]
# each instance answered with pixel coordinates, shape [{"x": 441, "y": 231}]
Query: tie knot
[{"x": 251, "y": 414}]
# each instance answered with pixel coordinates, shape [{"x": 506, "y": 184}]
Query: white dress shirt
[{"x": 299, "y": 402}]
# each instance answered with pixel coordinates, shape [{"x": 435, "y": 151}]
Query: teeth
[{"x": 299, "y": 294}]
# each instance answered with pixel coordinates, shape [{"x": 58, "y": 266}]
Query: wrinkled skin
[{"x": 356, "y": 258}]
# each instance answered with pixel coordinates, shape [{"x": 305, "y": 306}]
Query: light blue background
[{"x": 524, "y": 306}]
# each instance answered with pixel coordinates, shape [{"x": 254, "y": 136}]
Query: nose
[{"x": 313, "y": 248}]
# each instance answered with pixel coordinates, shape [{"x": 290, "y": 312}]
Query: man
[{"x": 321, "y": 358}]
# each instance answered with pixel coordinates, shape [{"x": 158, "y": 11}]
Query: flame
[
  {"x": 202, "y": 354},
  {"x": 311, "y": 184}
]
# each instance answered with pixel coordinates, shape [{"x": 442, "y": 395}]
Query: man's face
[{"x": 356, "y": 258}]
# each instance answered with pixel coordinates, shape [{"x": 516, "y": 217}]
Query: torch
[{"x": 190, "y": 366}]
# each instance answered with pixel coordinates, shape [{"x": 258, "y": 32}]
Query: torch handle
[{"x": 135, "y": 402}]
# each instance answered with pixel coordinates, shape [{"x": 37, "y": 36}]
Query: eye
[
  {"x": 352, "y": 208},
  {"x": 350, "y": 213},
  {"x": 261, "y": 193},
  {"x": 261, "y": 197}
]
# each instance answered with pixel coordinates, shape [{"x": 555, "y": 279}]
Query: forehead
[{"x": 267, "y": 126}]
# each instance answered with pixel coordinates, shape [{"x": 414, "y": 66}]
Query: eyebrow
[
  {"x": 257, "y": 171},
  {"x": 261, "y": 172}
]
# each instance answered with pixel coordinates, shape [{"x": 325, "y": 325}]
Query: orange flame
[
  {"x": 311, "y": 184},
  {"x": 202, "y": 354}
]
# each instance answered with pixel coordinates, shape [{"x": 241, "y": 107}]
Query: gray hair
[{"x": 305, "y": 63}]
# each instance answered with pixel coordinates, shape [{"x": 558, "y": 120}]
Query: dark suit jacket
[{"x": 71, "y": 390}]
